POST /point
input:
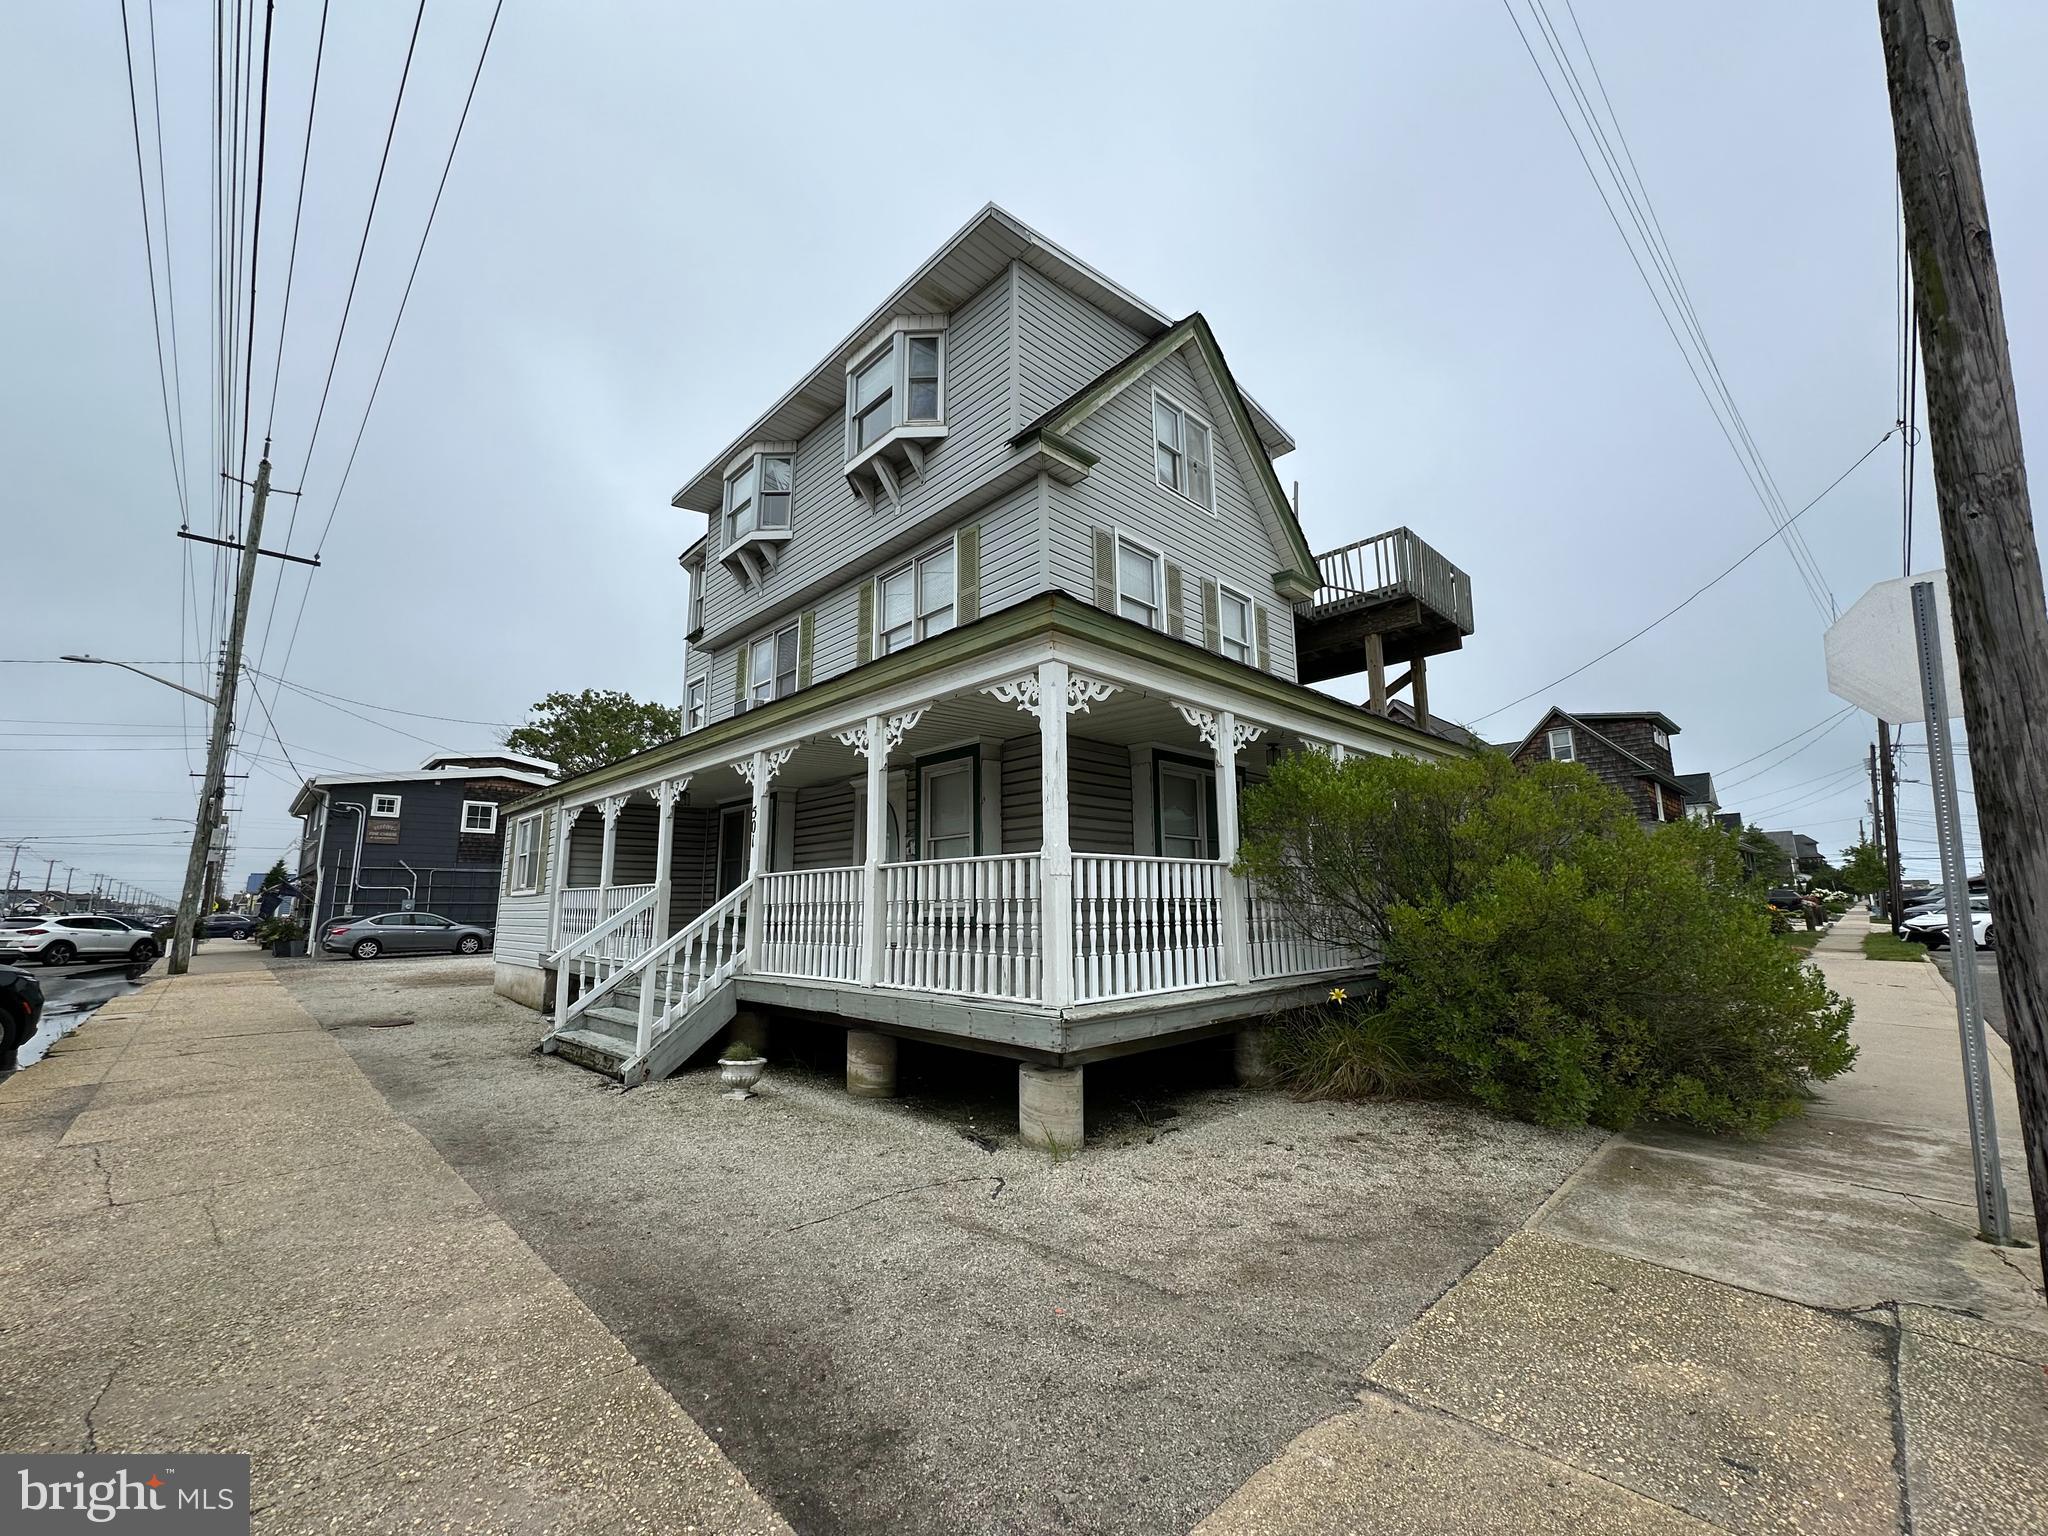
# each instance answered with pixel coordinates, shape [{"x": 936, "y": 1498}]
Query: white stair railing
[
  {"x": 604, "y": 957},
  {"x": 690, "y": 965}
]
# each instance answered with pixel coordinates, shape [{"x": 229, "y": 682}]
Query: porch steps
[{"x": 604, "y": 1036}]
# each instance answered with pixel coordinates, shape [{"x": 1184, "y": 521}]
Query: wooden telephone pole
[{"x": 1987, "y": 525}]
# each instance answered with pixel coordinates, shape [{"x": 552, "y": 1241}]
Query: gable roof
[
  {"x": 1699, "y": 788},
  {"x": 1579, "y": 722},
  {"x": 976, "y": 255},
  {"x": 1057, "y": 423}
]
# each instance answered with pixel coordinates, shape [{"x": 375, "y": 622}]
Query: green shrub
[{"x": 1540, "y": 950}]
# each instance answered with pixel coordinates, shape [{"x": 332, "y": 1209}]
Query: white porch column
[
  {"x": 876, "y": 745},
  {"x": 1056, "y": 851},
  {"x": 1229, "y": 735},
  {"x": 757, "y": 840},
  {"x": 759, "y": 771},
  {"x": 665, "y": 794},
  {"x": 609, "y": 808},
  {"x": 559, "y": 873}
]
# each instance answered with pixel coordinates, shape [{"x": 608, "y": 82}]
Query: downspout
[
  {"x": 413, "y": 896},
  {"x": 355, "y": 876},
  {"x": 319, "y": 880}
]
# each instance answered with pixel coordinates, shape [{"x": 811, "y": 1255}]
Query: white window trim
[
  {"x": 917, "y": 614},
  {"x": 971, "y": 767},
  {"x": 895, "y": 338},
  {"x": 484, "y": 805},
  {"x": 693, "y": 611},
  {"x": 1571, "y": 746},
  {"x": 1206, "y": 425},
  {"x": 378, "y": 801},
  {"x": 528, "y": 848},
  {"x": 1251, "y": 621},
  {"x": 1119, "y": 539},
  {"x": 1660, "y": 738},
  {"x": 696, "y": 698},
  {"x": 794, "y": 630}
]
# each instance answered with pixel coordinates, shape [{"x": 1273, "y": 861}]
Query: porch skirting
[{"x": 523, "y": 984}]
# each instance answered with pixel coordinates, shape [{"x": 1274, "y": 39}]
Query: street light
[{"x": 182, "y": 934}]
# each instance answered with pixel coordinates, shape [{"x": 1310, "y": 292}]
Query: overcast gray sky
[{"x": 661, "y": 214}]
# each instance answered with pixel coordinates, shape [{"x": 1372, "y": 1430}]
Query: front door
[
  {"x": 948, "y": 810},
  {"x": 733, "y": 847},
  {"x": 1185, "y": 812}
]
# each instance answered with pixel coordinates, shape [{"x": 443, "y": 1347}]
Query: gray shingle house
[
  {"x": 1630, "y": 750},
  {"x": 993, "y": 614}
]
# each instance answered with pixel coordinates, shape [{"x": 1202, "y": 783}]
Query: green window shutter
[
  {"x": 806, "y": 636},
  {"x": 545, "y": 851},
  {"x": 864, "y": 642},
  {"x": 967, "y": 574},
  {"x": 1176, "y": 613},
  {"x": 1263, "y": 635},
  {"x": 739, "y": 679},
  {"x": 1105, "y": 570},
  {"x": 1212, "y": 616}
]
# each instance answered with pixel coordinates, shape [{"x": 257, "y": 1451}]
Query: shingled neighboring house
[
  {"x": 1631, "y": 751},
  {"x": 1701, "y": 803}
]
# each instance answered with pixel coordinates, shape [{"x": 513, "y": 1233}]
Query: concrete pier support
[
  {"x": 870, "y": 1064},
  {"x": 1253, "y": 1057},
  {"x": 1049, "y": 1108}
]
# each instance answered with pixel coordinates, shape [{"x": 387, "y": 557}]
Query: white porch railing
[
  {"x": 809, "y": 923},
  {"x": 584, "y": 907},
  {"x": 599, "y": 960},
  {"x": 1392, "y": 564},
  {"x": 1146, "y": 925},
  {"x": 969, "y": 926},
  {"x": 1286, "y": 944}
]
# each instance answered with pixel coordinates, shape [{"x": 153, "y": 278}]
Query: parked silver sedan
[{"x": 402, "y": 933}]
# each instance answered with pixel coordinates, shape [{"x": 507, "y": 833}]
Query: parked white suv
[
  {"x": 61, "y": 940},
  {"x": 1932, "y": 927}
]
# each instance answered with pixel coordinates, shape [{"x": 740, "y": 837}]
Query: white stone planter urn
[{"x": 741, "y": 1073}]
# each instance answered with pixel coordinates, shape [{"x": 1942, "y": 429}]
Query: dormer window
[
  {"x": 1661, "y": 740},
  {"x": 758, "y": 488},
  {"x": 895, "y": 405}
]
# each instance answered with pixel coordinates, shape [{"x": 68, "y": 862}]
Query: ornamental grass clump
[{"x": 1541, "y": 951}]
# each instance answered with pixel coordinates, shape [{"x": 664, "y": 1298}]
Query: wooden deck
[{"x": 1392, "y": 588}]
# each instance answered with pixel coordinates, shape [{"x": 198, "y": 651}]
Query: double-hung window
[
  {"x": 693, "y": 618},
  {"x": 1139, "y": 585},
  {"x": 693, "y": 706},
  {"x": 771, "y": 667},
  {"x": 1181, "y": 452},
  {"x": 1234, "y": 625},
  {"x": 900, "y": 382},
  {"x": 1561, "y": 745},
  {"x": 916, "y": 600},
  {"x": 758, "y": 496},
  {"x": 948, "y": 811},
  {"x": 1185, "y": 799},
  {"x": 526, "y": 854},
  {"x": 479, "y": 816}
]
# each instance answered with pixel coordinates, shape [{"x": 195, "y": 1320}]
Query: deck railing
[
  {"x": 585, "y": 907},
  {"x": 1392, "y": 564},
  {"x": 969, "y": 926},
  {"x": 1286, "y": 943},
  {"x": 809, "y": 923},
  {"x": 1145, "y": 925}
]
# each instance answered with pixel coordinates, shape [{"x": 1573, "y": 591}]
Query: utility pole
[
  {"x": 1987, "y": 524},
  {"x": 212, "y": 790},
  {"x": 1888, "y": 781}
]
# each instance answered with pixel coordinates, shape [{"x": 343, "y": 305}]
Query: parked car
[
  {"x": 1931, "y": 927},
  {"x": 1785, "y": 899},
  {"x": 402, "y": 933},
  {"x": 21, "y": 1012},
  {"x": 82, "y": 936},
  {"x": 228, "y": 925}
]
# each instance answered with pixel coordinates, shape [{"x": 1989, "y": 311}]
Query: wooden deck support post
[
  {"x": 1235, "y": 893},
  {"x": 877, "y": 808},
  {"x": 1056, "y": 855},
  {"x": 1418, "y": 672},
  {"x": 1376, "y": 674}
]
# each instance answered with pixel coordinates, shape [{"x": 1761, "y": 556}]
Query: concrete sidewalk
[
  {"x": 220, "y": 1238},
  {"x": 1801, "y": 1333}
]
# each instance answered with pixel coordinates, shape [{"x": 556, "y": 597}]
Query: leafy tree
[
  {"x": 277, "y": 876},
  {"x": 1863, "y": 869},
  {"x": 581, "y": 731},
  {"x": 1540, "y": 950}
]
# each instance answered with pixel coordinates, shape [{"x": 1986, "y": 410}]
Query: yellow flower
[{"x": 1336, "y": 994}]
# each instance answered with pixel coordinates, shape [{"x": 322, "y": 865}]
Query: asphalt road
[
  {"x": 71, "y": 994},
  {"x": 1987, "y": 972}
]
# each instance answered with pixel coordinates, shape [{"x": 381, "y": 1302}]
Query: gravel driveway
[{"x": 894, "y": 1318}]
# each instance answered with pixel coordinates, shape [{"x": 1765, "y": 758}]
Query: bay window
[
  {"x": 901, "y": 382},
  {"x": 757, "y": 496}
]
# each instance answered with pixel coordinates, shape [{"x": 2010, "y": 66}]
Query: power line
[
  {"x": 292, "y": 262},
  {"x": 1788, "y": 740},
  {"x": 1697, "y": 592},
  {"x": 392, "y": 710},
  {"x": 1778, "y": 763},
  {"x": 1753, "y": 466},
  {"x": 149, "y": 260}
]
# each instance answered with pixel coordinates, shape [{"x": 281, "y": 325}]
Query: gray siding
[
  {"x": 522, "y": 931},
  {"x": 829, "y": 522},
  {"x": 1098, "y": 796},
  {"x": 1121, "y": 492},
  {"x": 1063, "y": 342},
  {"x": 824, "y": 826}
]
